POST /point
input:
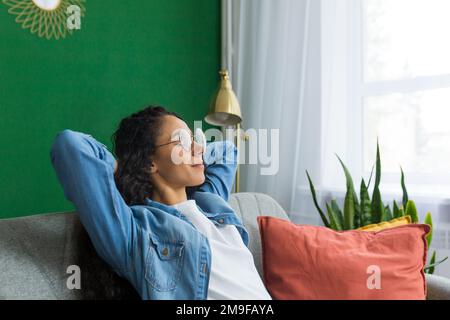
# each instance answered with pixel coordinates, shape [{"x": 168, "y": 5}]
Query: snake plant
[{"x": 366, "y": 210}]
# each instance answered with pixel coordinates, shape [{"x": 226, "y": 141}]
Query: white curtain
[{"x": 275, "y": 72}]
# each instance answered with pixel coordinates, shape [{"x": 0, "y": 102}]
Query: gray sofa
[{"x": 36, "y": 251}]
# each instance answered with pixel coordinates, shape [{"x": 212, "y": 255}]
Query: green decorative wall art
[{"x": 50, "y": 19}]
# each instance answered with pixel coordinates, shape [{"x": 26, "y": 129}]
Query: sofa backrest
[
  {"x": 248, "y": 206},
  {"x": 36, "y": 253}
]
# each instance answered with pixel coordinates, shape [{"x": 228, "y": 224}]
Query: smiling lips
[{"x": 199, "y": 165}]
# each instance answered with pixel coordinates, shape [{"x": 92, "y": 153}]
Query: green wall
[{"x": 127, "y": 55}]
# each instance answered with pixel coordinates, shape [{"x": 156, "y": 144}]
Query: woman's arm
[
  {"x": 85, "y": 169},
  {"x": 220, "y": 160}
]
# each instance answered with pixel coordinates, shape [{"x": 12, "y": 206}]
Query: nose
[{"x": 197, "y": 149}]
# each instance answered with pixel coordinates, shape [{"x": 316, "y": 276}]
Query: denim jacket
[{"x": 153, "y": 245}]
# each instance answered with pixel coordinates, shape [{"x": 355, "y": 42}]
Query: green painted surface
[{"x": 128, "y": 54}]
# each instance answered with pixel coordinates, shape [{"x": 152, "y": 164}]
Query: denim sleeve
[
  {"x": 85, "y": 169},
  {"x": 220, "y": 160}
]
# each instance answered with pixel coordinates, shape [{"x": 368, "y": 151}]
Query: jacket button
[
  {"x": 165, "y": 252},
  {"x": 220, "y": 220},
  {"x": 204, "y": 268}
]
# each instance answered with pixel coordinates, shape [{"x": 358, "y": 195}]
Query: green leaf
[
  {"x": 405, "y": 192},
  {"x": 338, "y": 213},
  {"x": 370, "y": 178},
  {"x": 349, "y": 211},
  {"x": 349, "y": 203},
  {"x": 378, "y": 167},
  {"x": 401, "y": 212},
  {"x": 357, "y": 220},
  {"x": 428, "y": 220},
  {"x": 433, "y": 264},
  {"x": 388, "y": 213},
  {"x": 334, "y": 220},
  {"x": 365, "y": 212},
  {"x": 313, "y": 192},
  {"x": 430, "y": 268},
  {"x": 366, "y": 216},
  {"x": 412, "y": 211},
  {"x": 378, "y": 213},
  {"x": 396, "y": 210}
]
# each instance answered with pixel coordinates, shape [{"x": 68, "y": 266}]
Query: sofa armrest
[{"x": 438, "y": 287}]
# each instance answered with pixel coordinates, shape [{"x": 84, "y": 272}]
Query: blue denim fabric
[{"x": 152, "y": 245}]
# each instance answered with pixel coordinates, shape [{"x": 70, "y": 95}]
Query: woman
[{"x": 159, "y": 214}]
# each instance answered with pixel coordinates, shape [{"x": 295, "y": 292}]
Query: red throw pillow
[{"x": 309, "y": 262}]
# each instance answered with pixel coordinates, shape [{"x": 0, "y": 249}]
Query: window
[
  {"x": 385, "y": 75},
  {"x": 403, "y": 81}
]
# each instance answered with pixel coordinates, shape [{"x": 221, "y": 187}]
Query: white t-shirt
[{"x": 233, "y": 273}]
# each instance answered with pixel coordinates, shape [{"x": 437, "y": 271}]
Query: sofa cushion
[
  {"x": 387, "y": 224},
  {"x": 309, "y": 262}
]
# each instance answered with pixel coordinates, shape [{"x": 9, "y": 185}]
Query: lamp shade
[{"x": 224, "y": 109}]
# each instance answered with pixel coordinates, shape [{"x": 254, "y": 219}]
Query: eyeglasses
[{"x": 186, "y": 139}]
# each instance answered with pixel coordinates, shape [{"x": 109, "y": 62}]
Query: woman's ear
[{"x": 153, "y": 168}]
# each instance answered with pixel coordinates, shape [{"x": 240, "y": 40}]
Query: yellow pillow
[{"x": 387, "y": 224}]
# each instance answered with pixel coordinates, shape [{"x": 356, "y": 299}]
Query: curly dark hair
[{"x": 134, "y": 146}]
